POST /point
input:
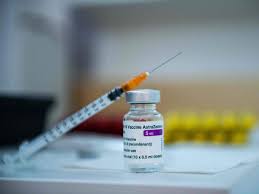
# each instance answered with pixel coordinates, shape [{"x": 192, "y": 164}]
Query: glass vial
[{"x": 143, "y": 132}]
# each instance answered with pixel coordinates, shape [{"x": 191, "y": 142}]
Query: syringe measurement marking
[
  {"x": 72, "y": 121},
  {"x": 75, "y": 119}
]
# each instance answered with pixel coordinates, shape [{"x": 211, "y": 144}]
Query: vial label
[{"x": 143, "y": 141}]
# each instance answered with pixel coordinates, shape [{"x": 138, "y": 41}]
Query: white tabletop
[{"x": 59, "y": 170}]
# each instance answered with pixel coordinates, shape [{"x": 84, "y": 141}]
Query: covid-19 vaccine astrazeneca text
[{"x": 143, "y": 132}]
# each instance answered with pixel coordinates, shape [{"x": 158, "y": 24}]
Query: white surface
[
  {"x": 181, "y": 160},
  {"x": 50, "y": 172},
  {"x": 204, "y": 159}
]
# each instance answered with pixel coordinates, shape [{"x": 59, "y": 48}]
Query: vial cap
[{"x": 143, "y": 96}]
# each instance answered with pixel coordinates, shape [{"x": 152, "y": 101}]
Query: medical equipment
[
  {"x": 27, "y": 149},
  {"x": 143, "y": 132}
]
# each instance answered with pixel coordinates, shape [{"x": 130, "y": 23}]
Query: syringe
[{"x": 27, "y": 149}]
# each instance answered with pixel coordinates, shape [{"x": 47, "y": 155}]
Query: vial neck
[{"x": 141, "y": 107}]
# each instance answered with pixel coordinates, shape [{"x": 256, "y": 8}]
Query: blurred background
[{"x": 58, "y": 55}]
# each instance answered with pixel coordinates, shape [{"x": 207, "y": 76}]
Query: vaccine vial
[{"x": 143, "y": 132}]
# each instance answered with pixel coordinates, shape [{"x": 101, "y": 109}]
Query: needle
[
  {"x": 165, "y": 62},
  {"x": 137, "y": 80}
]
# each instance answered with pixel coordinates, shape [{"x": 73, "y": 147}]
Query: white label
[{"x": 143, "y": 141}]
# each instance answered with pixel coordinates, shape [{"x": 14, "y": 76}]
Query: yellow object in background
[
  {"x": 218, "y": 137},
  {"x": 172, "y": 128},
  {"x": 209, "y": 127},
  {"x": 239, "y": 137},
  {"x": 210, "y": 121},
  {"x": 229, "y": 120},
  {"x": 175, "y": 120},
  {"x": 247, "y": 120},
  {"x": 192, "y": 126},
  {"x": 190, "y": 121}
]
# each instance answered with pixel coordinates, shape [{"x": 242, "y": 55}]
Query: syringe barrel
[
  {"x": 26, "y": 149},
  {"x": 29, "y": 148}
]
